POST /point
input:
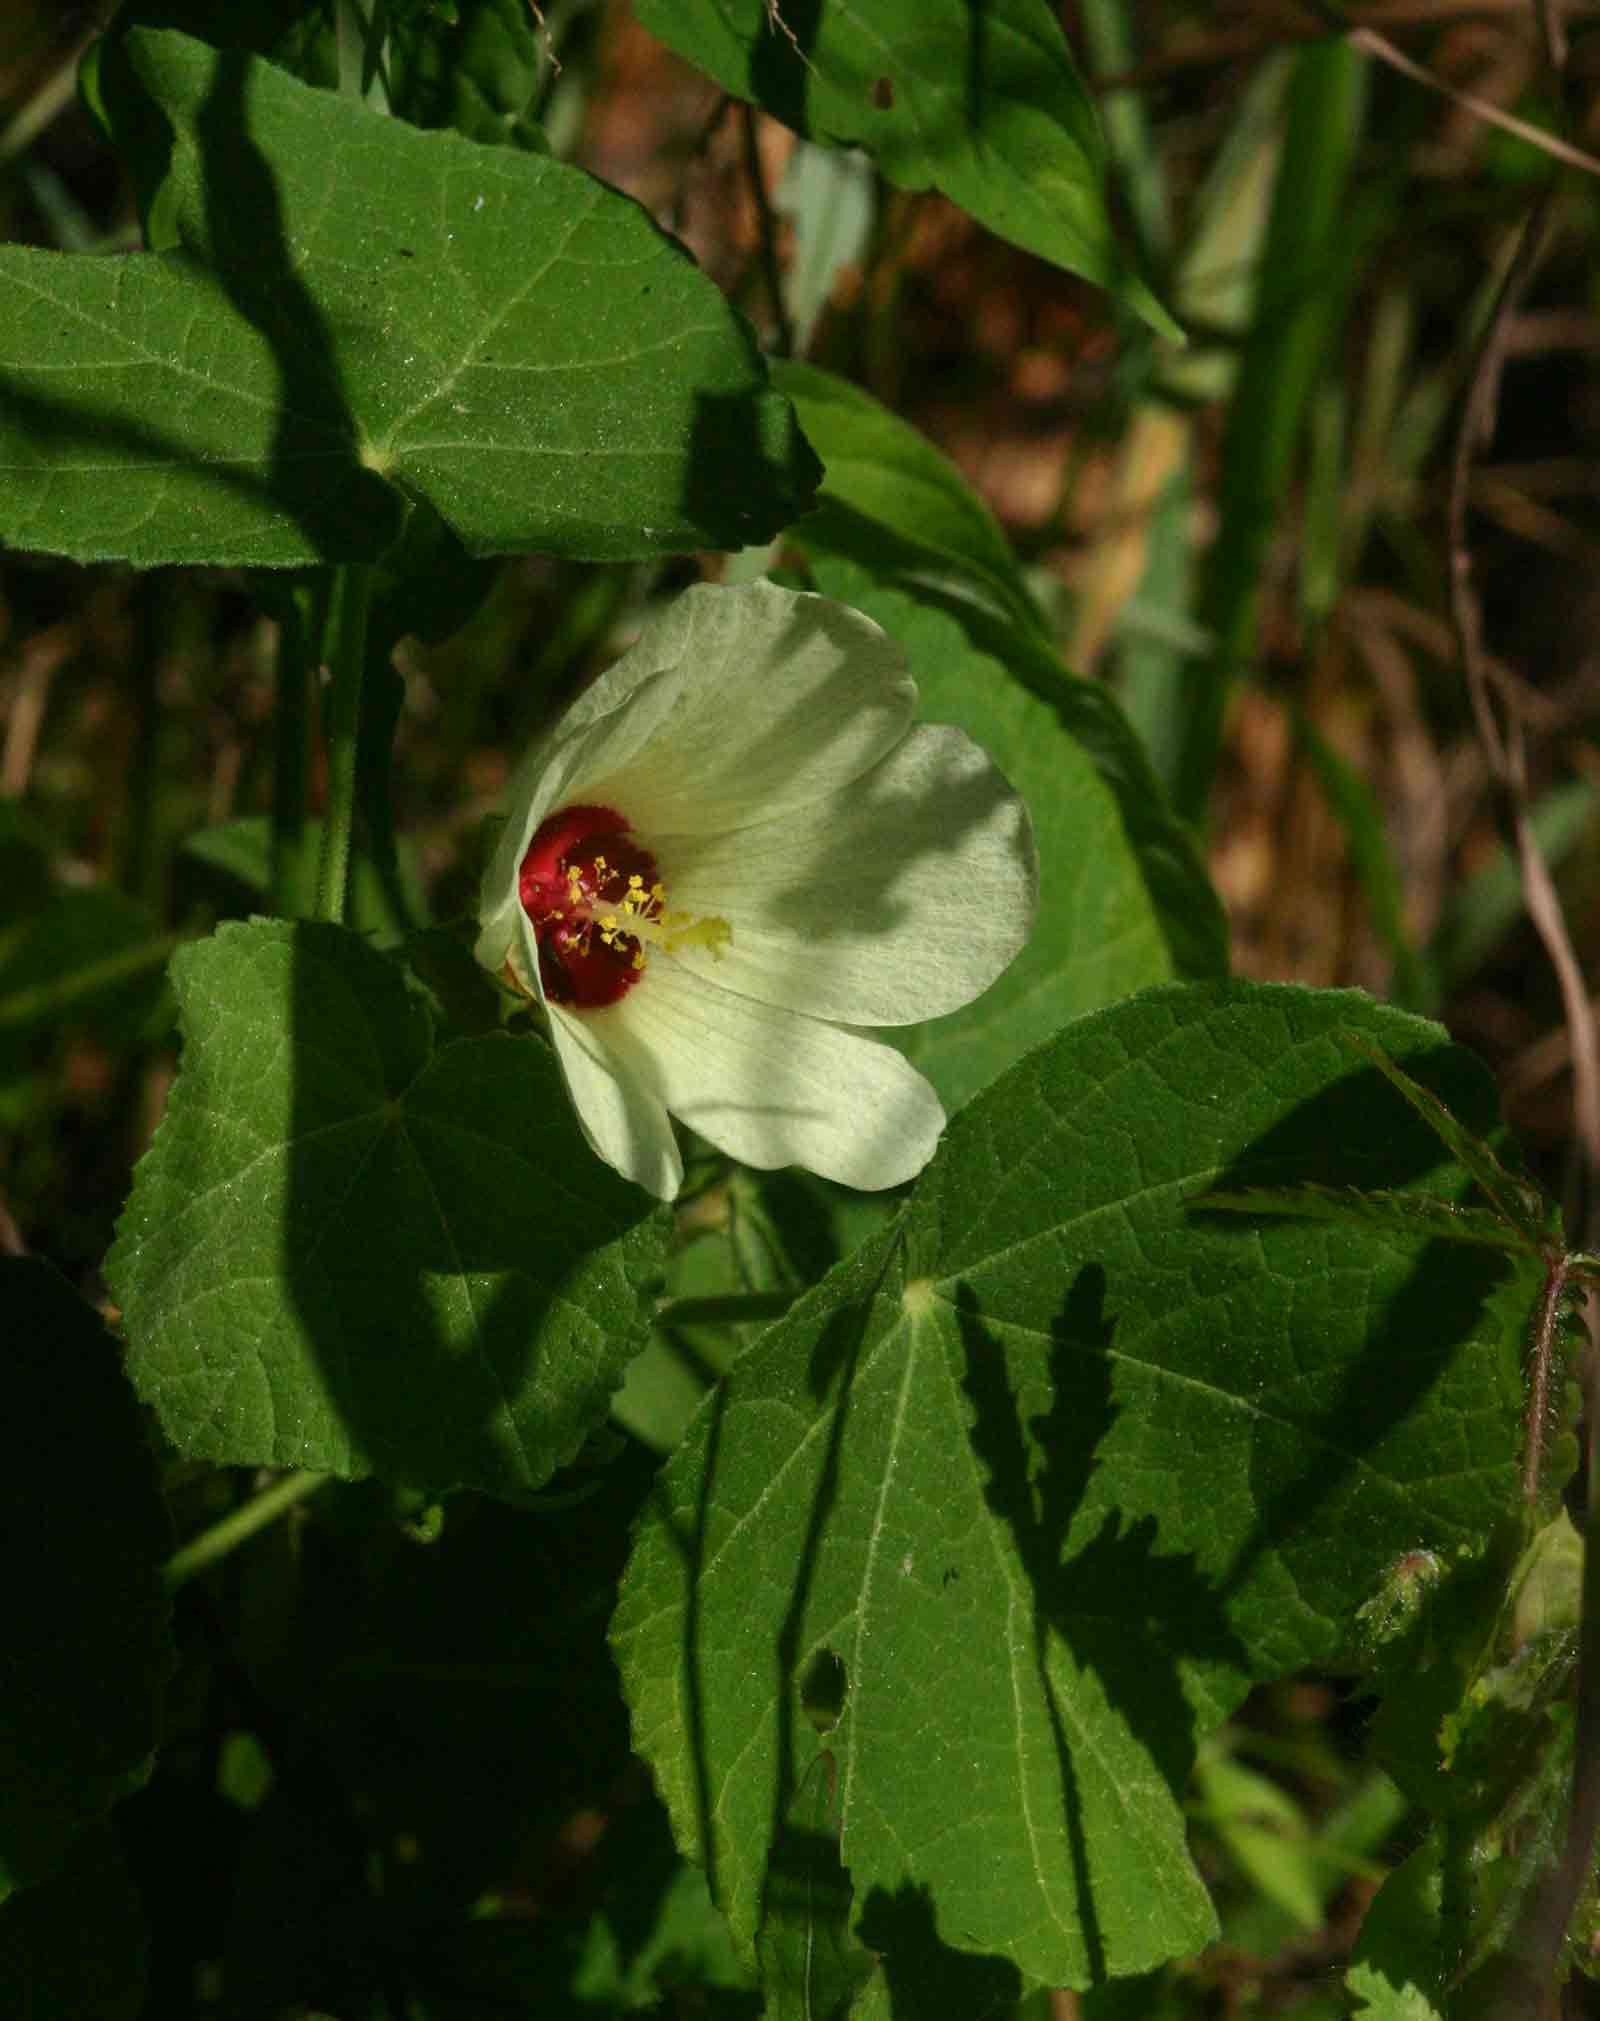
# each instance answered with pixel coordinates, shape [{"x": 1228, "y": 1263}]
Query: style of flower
[{"x": 733, "y": 851}]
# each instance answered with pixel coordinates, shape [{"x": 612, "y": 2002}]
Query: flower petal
[
  {"x": 624, "y": 1122},
  {"x": 732, "y": 705},
  {"x": 896, "y": 901},
  {"x": 777, "y": 699},
  {"x": 551, "y": 776},
  {"x": 770, "y": 1087}
]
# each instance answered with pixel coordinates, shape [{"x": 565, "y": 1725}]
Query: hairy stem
[{"x": 1540, "y": 1362}]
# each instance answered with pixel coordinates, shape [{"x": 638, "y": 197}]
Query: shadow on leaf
[
  {"x": 1360, "y": 1374},
  {"x": 1116, "y": 1604},
  {"x": 925, "y": 1975}
]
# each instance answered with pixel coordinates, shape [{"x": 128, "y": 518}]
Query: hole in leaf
[{"x": 823, "y": 1690}]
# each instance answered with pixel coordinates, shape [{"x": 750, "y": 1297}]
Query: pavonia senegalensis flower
[{"x": 732, "y": 853}]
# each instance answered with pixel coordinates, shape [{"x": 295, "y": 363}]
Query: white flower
[{"x": 732, "y": 850}]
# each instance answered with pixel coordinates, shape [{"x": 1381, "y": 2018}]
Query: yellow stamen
[{"x": 637, "y": 915}]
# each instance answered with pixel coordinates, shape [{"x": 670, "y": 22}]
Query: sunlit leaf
[
  {"x": 977, "y": 98},
  {"x": 517, "y": 344},
  {"x": 1055, "y": 1467}
]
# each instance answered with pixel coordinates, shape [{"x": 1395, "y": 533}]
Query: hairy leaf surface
[
  {"x": 1049, "y": 1472},
  {"x": 352, "y": 1251},
  {"x": 340, "y": 311}
]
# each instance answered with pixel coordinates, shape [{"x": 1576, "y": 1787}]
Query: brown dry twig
[
  {"x": 1378, "y": 45},
  {"x": 1521, "y": 1978},
  {"x": 1499, "y": 723},
  {"x": 1254, "y": 39},
  {"x": 38, "y": 663}
]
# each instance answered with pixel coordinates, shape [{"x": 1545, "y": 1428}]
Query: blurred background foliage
[{"x": 1246, "y": 540}]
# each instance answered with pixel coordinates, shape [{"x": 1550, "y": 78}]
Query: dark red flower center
[{"x": 583, "y": 882}]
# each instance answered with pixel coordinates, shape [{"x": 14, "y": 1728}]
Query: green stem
[
  {"x": 382, "y": 698},
  {"x": 732, "y": 1310},
  {"x": 291, "y": 754},
  {"x": 347, "y": 659},
  {"x": 157, "y": 607},
  {"x": 238, "y": 1528}
]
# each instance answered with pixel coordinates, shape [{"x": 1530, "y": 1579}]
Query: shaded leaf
[
  {"x": 75, "y": 1944},
  {"x": 1521, "y": 1207},
  {"x": 1511, "y": 1745},
  {"x": 473, "y": 65},
  {"x": 1397, "y": 1971},
  {"x": 85, "y": 1656},
  {"x": 653, "y": 1930},
  {"x": 811, "y": 1967},
  {"x": 354, "y": 1251},
  {"x": 894, "y": 503},
  {"x": 296, "y": 36},
  {"x": 479, "y": 74},
  {"x": 1447, "y": 1220}
]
